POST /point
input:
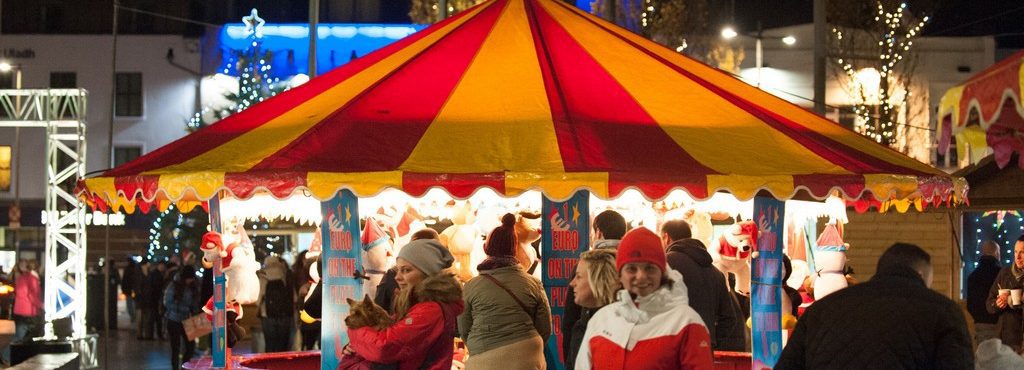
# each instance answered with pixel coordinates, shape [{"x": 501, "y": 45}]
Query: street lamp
[
  {"x": 6, "y": 67},
  {"x": 729, "y": 33}
]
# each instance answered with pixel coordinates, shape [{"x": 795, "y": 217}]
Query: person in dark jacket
[
  {"x": 978, "y": 285},
  {"x": 708, "y": 294},
  {"x": 149, "y": 300},
  {"x": 607, "y": 230},
  {"x": 595, "y": 284},
  {"x": 1010, "y": 322},
  {"x": 893, "y": 321},
  {"x": 129, "y": 286},
  {"x": 179, "y": 299}
]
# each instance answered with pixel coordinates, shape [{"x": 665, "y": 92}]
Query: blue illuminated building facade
[{"x": 337, "y": 44}]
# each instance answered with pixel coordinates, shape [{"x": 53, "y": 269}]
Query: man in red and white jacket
[{"x": 651, "y": 326}]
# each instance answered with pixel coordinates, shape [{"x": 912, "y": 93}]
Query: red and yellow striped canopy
[{"x": 516, "y": 95}]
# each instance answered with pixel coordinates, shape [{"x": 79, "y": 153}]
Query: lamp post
[
  {"x": 729, "y": 33},
  {"x": 6, "y": 67}
]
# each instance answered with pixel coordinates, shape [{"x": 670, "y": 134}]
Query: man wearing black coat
[
  {"x": 706, "y": 288},
  {"x": 893, "y": 321},
  {"x": 978, "y": 285},
  {"x": 1011, "y": 319}
]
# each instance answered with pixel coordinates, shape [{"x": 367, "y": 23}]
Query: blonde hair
[
  {"x": 602, "y": 275},
  {"x": 406, "y": 298}
]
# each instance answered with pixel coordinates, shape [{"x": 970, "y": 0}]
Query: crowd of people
[
  {"x": 640, "y": 299},
  {"x": 636, "y": 298}
]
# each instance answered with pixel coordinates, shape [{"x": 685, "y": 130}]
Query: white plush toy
[
  {"x": 376, "y": 250},
  {"x": 700, "y": 225},
  {"x": 829, "y": 261},
  {"x": 460, "y": 239},
  {"x": 243, "y": 286},
  {"x": 736, "y": 247}
]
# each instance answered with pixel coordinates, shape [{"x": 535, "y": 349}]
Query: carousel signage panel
[
  {"x": 565, "y": 234},
  {"x": 766, "y": 290},
  {"x": 219, "y": 313},
  {"x": 340, "y": 258}
]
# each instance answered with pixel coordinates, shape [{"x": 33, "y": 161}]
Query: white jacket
[{"x": 659, "y": 331}]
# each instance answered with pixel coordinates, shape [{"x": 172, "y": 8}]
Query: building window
[
  {"x": 7, "y": 80},
  {"x": 63, "y": 80},
  {"x": 5, "y": 168},
  {"x": 129, "y": 95},
  {"x": 125, "y": 154}
]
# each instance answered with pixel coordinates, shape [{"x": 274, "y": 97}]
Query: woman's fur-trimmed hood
[{"x": 442, "y": 288}]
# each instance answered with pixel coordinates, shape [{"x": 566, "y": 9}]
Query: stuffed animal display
[
  {"x": 376, "y": 250},
  {"x": 736, "y": 247},
  {"x": 526, "y": 234},
  {"x": 461, "y": 239},
  {"x": 829, "y": 261},
  {"x": 239, "y": 265}
]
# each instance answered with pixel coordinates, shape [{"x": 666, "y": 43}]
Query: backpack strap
[{"x": 510, "y": 294}]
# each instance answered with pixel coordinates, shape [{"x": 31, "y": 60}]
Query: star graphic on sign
[
  {"x": 575, "y": 213},
  {"x": 348, "y": 215},
  {"x": 254, "y": 24}
]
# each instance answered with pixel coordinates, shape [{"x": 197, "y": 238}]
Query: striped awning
[
  {"x": 986, "y": 113},
  {"x": 516, "y": 95}
]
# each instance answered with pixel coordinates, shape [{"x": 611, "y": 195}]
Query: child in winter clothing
[{"x": 651, "y": 325}]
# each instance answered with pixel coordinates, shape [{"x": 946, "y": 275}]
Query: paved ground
[{"x": 119, "y": 349}]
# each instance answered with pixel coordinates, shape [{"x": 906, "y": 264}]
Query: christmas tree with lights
[
  {"x": 176, "y": 233},
  {"x": 253, "y": 67}
]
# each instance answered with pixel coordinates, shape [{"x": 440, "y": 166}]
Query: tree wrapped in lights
[
  {"x": 428, "y": 11},
  {"x": 173, "y": 233},
  {"x": 876, "y": 65},
  {"x": 255, "y": 82}
]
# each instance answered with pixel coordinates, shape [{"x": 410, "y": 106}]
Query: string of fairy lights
[{"x": 895, "y": 42}]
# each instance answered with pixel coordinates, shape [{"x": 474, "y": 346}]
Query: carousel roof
[{"x": 516, "y": 95}]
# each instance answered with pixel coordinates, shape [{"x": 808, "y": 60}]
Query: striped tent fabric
[
  {"x": 515, "y": 95},
  {"x": 986, "y": 112}
]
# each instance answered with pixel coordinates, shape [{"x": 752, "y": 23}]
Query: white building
[
  {"x": 942, "y": 62},
  {"x": 154, "y": 97},
  {"x": 154, "y": 100}
]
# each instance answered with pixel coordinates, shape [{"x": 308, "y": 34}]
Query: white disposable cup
[{"x": 1015, "y": 297}]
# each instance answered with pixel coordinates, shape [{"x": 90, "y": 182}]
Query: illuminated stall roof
[
  {"x": 986, "y": 112},
  {"x": 515, "y": 95}
]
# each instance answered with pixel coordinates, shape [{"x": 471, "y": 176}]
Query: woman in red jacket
[
  {"x": 651, "y": 326},
  {"x": 426, "y": 308}
]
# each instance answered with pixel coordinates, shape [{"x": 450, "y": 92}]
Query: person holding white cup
[{"x": 1004, "y": 299}]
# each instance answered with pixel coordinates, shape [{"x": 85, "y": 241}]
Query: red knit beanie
[
  {"x": 502, "y": 241},
  {"x": 640, "y": 245}
]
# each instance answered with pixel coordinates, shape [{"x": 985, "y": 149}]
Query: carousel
[{"x": 531, "y": 107}]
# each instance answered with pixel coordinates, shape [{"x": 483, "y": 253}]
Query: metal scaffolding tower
[{"x": 61, "y": 112}]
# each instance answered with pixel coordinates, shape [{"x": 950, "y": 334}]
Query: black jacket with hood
[
  {"x": 893, "y": 321},
  {"x": 708, "y": 294}
]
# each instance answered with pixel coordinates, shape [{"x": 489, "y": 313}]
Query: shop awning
[
  {"x": 516, "y": 95},
  {"x": 985, "y": 112}
]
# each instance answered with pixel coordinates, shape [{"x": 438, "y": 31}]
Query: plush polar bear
[{"x": 736, "y": 247}]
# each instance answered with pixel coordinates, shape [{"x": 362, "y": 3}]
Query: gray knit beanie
[{"x": 428, "y": 255}]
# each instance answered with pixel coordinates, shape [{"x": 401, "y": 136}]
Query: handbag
[{"x": 197, "y": 326}]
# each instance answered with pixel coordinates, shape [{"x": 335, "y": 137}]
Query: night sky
[{"x": 949, "y": 17}]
